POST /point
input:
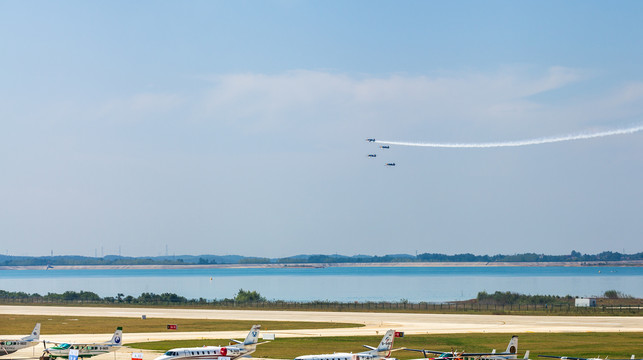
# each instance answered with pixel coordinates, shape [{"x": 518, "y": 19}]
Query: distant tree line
[
  {"x": 145, "y": 298},
  {"x": 82, "y": 260},
  {"x": 249, "y": 297},
  {"x": 511, "y": 298},
  {"x": 574, "y": 256}
]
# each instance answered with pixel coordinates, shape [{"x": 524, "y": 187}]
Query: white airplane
[
  {"x": 243, "y": 348},
  {"x": 578, "y": 358},
  {"x": 510, "y": 353},
  {"x": 383, "y": 351},
  {"x": 84, "y": 350},
  {"x": 8, "y": 346}
]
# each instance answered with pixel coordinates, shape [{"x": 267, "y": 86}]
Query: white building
[{"x": 585, "y": 302}]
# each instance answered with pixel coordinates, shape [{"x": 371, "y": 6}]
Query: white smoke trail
[{"x": 538, "y": 141}]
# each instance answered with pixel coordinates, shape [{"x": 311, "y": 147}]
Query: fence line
[{"x": 353, "y": 306}]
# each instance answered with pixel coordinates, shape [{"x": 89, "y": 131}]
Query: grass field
[
  {"x": 23, "y": 324},
  {"x": 614, "y": 345}
]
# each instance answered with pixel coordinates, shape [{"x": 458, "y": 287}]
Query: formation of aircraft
[
  {"x": 382, "y": 351},
  {"x": 242, "y": 348},
  {"x": 84, "y": 350},
  {"x": 8, "y": 346},
  {"x": 381, "y": 147}
]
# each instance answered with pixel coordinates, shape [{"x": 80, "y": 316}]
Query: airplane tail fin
[
  {"x": 117, "y": 338},
  {"x": 526, "y": 355},
  {"x": 512, "y": 348},
  {"x": 387, "y": 342},
  {"x": 253, "y": 335},
  {"x": 35, "y": 334}
]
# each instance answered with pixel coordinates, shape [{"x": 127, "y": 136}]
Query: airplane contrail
[{"x": 537, "y": 141}]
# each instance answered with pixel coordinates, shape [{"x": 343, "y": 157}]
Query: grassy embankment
[
  {"x": 23, "y": 324},
  {"x": 614, "y": 345}
]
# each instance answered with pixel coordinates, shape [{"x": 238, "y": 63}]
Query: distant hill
[{"x": 606, "y": 256}]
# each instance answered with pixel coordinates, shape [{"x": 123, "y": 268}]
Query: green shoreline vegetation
[
  {"x": 602, "y": 258},
  {"x": 612, "y": 303},
  {"x": 613, "y": 345}
]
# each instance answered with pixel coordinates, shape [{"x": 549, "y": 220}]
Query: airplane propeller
[{"x": 45, "y": 351}]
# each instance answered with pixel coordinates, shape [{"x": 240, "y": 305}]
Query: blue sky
[{"x": 238, "y": 127}]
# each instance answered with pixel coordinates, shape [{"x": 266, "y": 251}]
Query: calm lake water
[{"x": 432, "y": 284}]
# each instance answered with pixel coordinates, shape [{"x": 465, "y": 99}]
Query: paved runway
[{"x": 374, "y": 324}]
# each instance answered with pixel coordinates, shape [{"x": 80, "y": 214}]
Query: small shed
[{"x": 585, "y": 302}]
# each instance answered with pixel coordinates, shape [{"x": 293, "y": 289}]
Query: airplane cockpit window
[{"x": 65, "y": 346}]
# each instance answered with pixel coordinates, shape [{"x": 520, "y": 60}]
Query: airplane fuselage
[
  {"x": 205, "y": 352},
  {"x": 83, "y": 350},
  {"x": 11, "y": 346},
  {"x": 343, "y": 356}
]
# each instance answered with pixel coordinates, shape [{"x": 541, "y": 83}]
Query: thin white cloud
[
  {"x": 140, "y": 106},
  {"x": 259, "y": 102}
]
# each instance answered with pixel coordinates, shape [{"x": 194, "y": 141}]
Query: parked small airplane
[
  {"x": 384, "y": 147},
  {"x": 390, "y": 164},
  {"x": 8, "y": 346},
  {"x": 243, "y": 348},
  {"x": 370, "y": 140},
  {"x": 466, "y": 356},
  {"x": 510, "y": 353},
  {"x": 372, "y": 155},
  {"x": 579, "y": 358},
  {"x": 84, "y": 350},
  {"x": 383, "y": 351}
]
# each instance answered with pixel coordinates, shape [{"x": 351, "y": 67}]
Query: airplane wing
[
  {"x": 577, "y": 358},
  {"x": 427, "y": 351},
  {"x": 458, "y": 355},
  {"x": 485, "y": 354},
  {"x": 45, "y": 342},
  {"x": 74, "y": 344},
  {"x": 263, "y": 342},
  {"x": 236, "y": 341}
]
